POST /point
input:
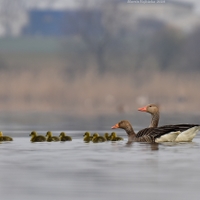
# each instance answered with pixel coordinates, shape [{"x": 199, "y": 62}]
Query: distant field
[
  {"x": 39, "y": 79},
  {"x": 30, "y": 45},
  {"x": 38, "y": 52}
]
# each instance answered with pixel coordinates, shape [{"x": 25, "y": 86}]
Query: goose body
[
  {"x": 51, "y": 138},
  {"x": 184, "y": 136},
  {"x": 5, "y": 138},
  {"x": 168, "y": 133},
  {"x": 37, "y": 138},
  {"x": 96, "y": 138},
  {"x": 63, "y": 137}
]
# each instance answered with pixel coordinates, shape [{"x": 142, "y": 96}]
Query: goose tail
[{"x": 188, "y": 135}]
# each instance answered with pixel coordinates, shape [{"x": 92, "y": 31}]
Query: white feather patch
[
  {"x": 169, "y": 137},
  {"x": 188, "y": 135}
]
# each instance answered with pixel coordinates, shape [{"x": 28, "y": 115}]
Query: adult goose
[
  {"x": 168, "y": 133},
  {"x": 153, "y": 109}
]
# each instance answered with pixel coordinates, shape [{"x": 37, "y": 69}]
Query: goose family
[
  {"x": 63, "y": 137},
  {"x": 4, "y": 138},
  {"x": 152, "y": 134},
  {"x": 51, "y": 138},
  {"x": 37, "y": 138},
  {"x": 168, "y": 133}
]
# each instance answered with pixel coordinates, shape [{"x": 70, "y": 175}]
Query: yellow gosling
[
  {"x": 51, "y": 138},
  {"x": 5, "y": 138},
  {"x": 107, "y": 136},
  {"x": 37, "y": 138},
  {"x": 87, "y": 137},
  {"x": 114, "y": 137},
  {"x": 97, "y": 138},
  {"x": 63, "y": 137}
]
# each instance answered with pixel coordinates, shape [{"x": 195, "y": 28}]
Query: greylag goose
[
  {"x": 153, "y": 109},
  {"x": 51, "y": 138},
  {"x": 37, "y": 138},
  {"x": 5, "y": 138},
  {"x": 96, "y": 138},
  {"x": 168, "y": 133},
  {"x": 63, "y": 137}
]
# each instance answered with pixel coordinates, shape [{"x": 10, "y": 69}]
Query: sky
[
  {"x": 61, "y": 4},
  {"x": 71, "y": 4}
]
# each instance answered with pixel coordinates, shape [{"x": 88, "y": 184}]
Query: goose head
[
  {"x": 151, "y": 108},
  {"x": 62, "y": 134},
  {"x": 33, "y": 133},
  {"x": 49, "y": 134},
  {"x": 124, "y": 124},
  {"x": 113, "y": 134},
  {"x": 95, "y": 135},
  {"x": 86, "y": 134}
]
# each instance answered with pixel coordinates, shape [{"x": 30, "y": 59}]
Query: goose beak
[
  {"x": 115, "y": 126},
  {"x": 143, "y": 109}
]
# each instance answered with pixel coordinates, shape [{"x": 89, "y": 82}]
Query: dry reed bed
[{"x": 90, "y": 94}]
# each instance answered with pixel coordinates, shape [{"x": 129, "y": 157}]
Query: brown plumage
[{"x": 151, "y": 135}]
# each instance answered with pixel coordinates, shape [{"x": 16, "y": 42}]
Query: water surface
[{"x": 111, "y": 170}]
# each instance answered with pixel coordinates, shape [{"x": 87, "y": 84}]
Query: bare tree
[{"x": 97, "y": 27}]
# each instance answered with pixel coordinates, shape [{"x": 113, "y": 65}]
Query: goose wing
[{"x": 162, "y": 130}]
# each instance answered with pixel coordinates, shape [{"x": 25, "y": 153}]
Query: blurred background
[{"x": 86, "y": 58}]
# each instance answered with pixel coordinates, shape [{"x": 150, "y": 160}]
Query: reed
[{"x": 90, "y": 94}]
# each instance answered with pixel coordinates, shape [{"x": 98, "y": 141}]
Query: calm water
[{"x": 110, "y": 170}]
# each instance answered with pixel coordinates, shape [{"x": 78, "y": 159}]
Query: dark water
[{"x": 110, "y": 170}]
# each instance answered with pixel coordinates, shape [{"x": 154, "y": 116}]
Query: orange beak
[
  {"x": 143, "y": 109},
  {"x": 115, "y": 126}
]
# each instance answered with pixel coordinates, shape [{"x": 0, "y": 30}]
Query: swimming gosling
[
  {"x": 5, "y": 138},
  {"x": 51, "y": 138},
  {"x": 37, "y": 138},
  {"x": 63, "y": 137},
  {"x": 87, "y": 137},
  {"x": 107, "y": 136},
  {"x": 114, "y": 137},
  {"x": 97, "y": 138}
]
